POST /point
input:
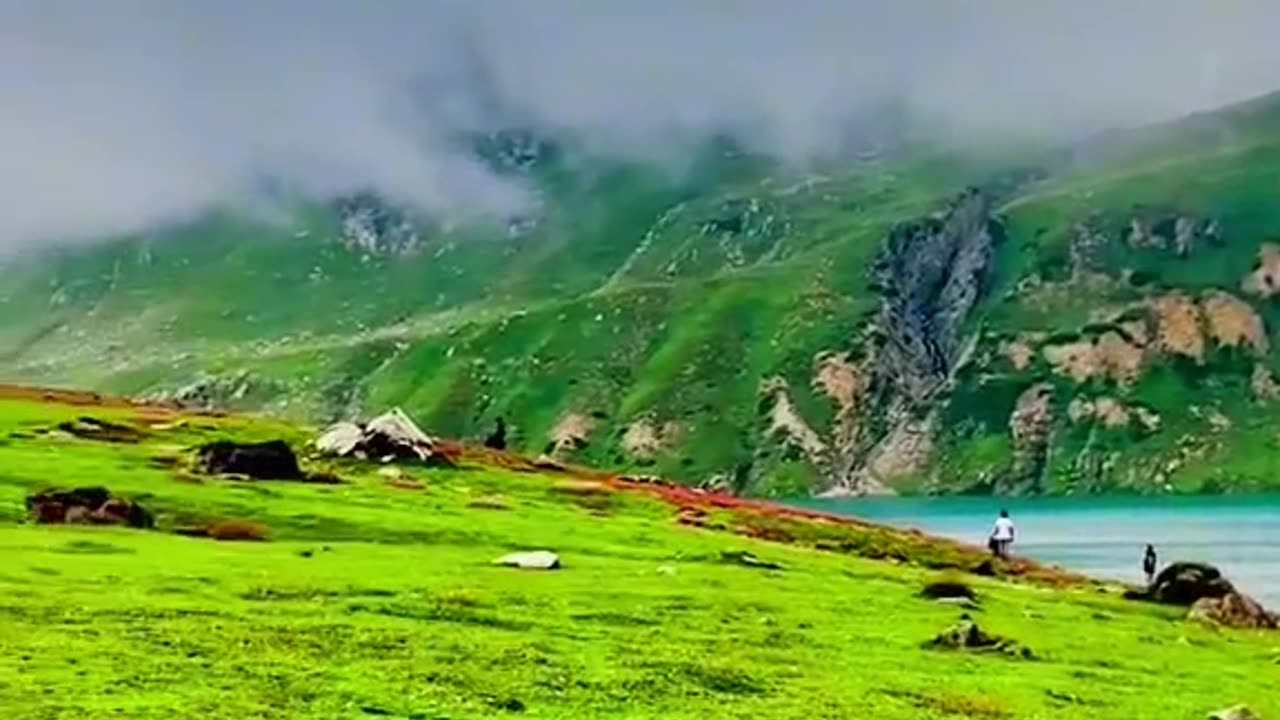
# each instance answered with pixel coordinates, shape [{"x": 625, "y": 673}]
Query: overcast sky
[{"x": 118, "y": 115}]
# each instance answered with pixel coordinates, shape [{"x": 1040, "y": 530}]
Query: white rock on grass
[
  {"x": 1239, "y": 712},
  {"x": 534, "y": 560}
]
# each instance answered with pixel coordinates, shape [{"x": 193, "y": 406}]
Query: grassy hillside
[
  {"x": 374, "y": 599},
  {"x": 733, "y": 325}
]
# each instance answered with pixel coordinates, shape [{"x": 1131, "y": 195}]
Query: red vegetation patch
[{"x": 232, "y": 530}]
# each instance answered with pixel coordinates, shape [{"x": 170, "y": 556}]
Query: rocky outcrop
[
  {"x": 571, "y": 432},
  {"x": 1031, "y": 427},
  {"x": 1232, "y": 322},
  {"x": 1171, "y": 325},
  {"x": 1185, "y": 583},
  {"x": 1178, "y": 325},
  {"x": 218, "y": 392},
  {"x": 1233, "y": 610},
  {"x": 1112, "y": 413},
  {"x": 1180, "y": 234},
  {"x": 392, "y": 436},
  {"x": 1110, "y": 356},
  {"x": 645, "y": 439},
  {"x": 930, "y": 275},
  {"x": 1264, "y": 281},
  {"x": 786, "y": 423},
  {"x": 372, "y": 227}
]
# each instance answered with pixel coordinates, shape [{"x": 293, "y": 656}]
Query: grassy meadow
[{"x": 377, "y": 598}]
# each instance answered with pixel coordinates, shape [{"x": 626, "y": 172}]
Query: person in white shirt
[{"x": 1002, "y": 535}]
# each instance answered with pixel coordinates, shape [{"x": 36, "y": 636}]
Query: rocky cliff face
[{"x": 930, "y": 275}]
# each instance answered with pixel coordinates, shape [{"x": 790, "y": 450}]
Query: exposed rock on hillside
[
  {"x": 930, "y": 274},
  {"x": 571, "y": 433},
  {"x": 1031, "y": 426},
  {"x": 1264, "y": 281},
  {"x": 645, "y": 439},
  {"x": 1233, "y": 610},
  {"x": 786, "y": 423},
  {"x": 372, "y": 227},
  {"x": 1232, "y": 322},
  {"x": 219, "y": 392},
  {"x": 1178, "y": 325},
  {"x": 1110, "y": 356}
]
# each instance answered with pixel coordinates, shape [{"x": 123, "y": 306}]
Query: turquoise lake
[{"x": 1105, "y": 537}]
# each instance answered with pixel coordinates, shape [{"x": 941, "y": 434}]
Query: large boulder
[
  {"x": 390, "y": 437},
  {"x": 1233, "y": 610},
  {"x": 271, "y": 460},
  {"x": 89, "y": 506},
  {"x": 1183, "y": 583}
]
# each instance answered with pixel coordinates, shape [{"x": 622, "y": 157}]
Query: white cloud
[{"x": 121, "y": 115}]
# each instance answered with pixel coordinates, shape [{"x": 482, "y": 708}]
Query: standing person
[
  {"x": 1149, "y": 564},
  {"x": 497, "y": 440},
  {"x": 1002, "y": 535}
]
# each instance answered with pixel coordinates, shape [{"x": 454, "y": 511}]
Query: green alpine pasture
[{"x": 373, "y": 600}]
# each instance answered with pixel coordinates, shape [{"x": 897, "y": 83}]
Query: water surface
[{"x": 1105, "y": 537}]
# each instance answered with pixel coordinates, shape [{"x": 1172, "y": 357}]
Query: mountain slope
[{"x": 913, "y": 321}]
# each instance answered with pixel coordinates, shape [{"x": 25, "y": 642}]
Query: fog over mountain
[{"x": 123, "y": 115}]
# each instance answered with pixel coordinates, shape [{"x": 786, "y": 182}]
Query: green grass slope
[
  {"x": 641, "y": 320},
  {"x": 372, "y": 600}
]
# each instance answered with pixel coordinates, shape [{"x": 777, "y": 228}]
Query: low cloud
[{"x": 121, "y": 116}]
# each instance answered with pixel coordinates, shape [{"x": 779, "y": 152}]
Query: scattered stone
[
  {"x": 1233, "y": 610},
  {"x": 1239, "y": 712},
  {"x": 387, "y": 438},
  {"x": 87, "y": 428},
  {"x": 271, "y": 460},
  {"x": 546, "y": 462},
  {"x": 534, "y": 560},
  {"x": 966, "y": 635},
  {"x": 489, "y": 502},
  {"x": 87, "y": 505},
  {"x": 1263, "y": 383},
  {"x": 744, "y": 558}
]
